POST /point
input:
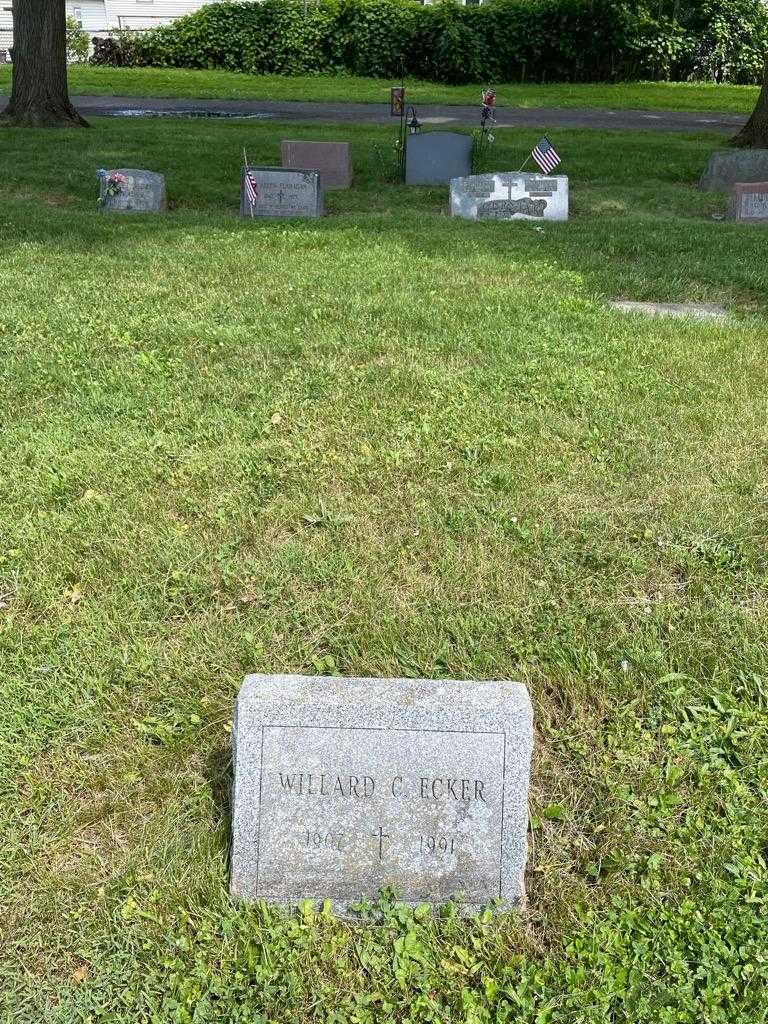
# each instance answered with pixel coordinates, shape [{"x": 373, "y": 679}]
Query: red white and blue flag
[
  {"x": 251, "y": 190},
  {"x": 545, "y": 156}
]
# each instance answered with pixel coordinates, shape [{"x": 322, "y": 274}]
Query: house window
[{"x": 77, "y": 14}]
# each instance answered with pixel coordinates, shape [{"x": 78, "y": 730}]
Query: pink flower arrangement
[{"x": 113, "y": 182}]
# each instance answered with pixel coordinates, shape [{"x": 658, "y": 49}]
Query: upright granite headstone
[
  {"x": 282, "y": 193},
  {"x": 345, "y": 786},
  {"x": 130, "y": 190},
  {"x": 749, "y": 202},
  {"x": 435, "y": 157},
  {"x": 332, "y": 159},
  {"x": 510, "y": 195},
  {"x": 728, "y": 167}
]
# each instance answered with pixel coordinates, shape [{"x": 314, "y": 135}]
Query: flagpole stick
[{"x": 525, "y": 162}]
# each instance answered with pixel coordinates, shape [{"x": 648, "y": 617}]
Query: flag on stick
[
  {"x": 545, "y": 156},
  {"x": 251, "y": 189}
]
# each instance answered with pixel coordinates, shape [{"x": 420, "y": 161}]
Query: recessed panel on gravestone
[
  {"x": 749, "y": 202},
  {"x": 282, "y": 192},
  {"x": 346, "y": 786},
  {"x": 139, "y": 192},
  {"x": 331, "y": 159},
  {"x": 510, "y": 196},
  {"x": 728, "y": 167},
  {"x": 435, "y": 157}
]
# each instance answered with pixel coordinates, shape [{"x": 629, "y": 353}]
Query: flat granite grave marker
[
  {"x": 282, "y": 192},
  {"x": 510, "y": 195},
  {"x": 749, "y": 202},
  {"x": 345, "y": 786},
  {"x": 727, "y": 167},
  {"x": 332, "y": 159},
  {"x": 435, "y": 157},
  {"x": 131, "y": 190}
]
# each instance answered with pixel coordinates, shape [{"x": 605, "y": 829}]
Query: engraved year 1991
[{"x": 437, "y": 844}]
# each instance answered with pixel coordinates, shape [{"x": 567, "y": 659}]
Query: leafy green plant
[
  {"x": 503, "y": 40},
  {"x": 77, "y": 42}
]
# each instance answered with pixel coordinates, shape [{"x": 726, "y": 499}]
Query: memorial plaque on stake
[
  {"x": 510, "y": 196},
  {"x": 749, "y": 202},
  {"x": 282, "y": 193},
  {"x": 346, "y": 786},
  {"x": 331, "y": 159}
]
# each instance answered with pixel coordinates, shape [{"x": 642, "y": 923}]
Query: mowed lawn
[
  {"x": 383, "y": 443},
  {"x": 218, "y": 84}
]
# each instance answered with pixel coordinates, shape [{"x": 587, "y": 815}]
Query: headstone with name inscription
[
  {"x": 131, "y": 190},
  {"x": 510, "y": 195},
  {"x": 433, "y": 158},
  {"x": 346, "y": 786},
  {"x": 332, "y": 159},
  {"x": 749, "y": 202},
  {"x": 282, "y": 192}
]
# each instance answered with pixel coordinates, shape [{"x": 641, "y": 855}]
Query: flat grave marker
[
  {"x": 131, "y": 190},
  {"x": 510, "y": 195},
  {"x": 332, "y": 159},
  {"x": 346, "y": 786},
  {"x": 749, "y": 202},
  {"x": 694, "y": 310},
  {"x": 282, "y": 192},
  {"x": 433, "y": 158}
]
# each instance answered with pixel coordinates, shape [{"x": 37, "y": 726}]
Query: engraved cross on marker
[{"x": 381, "y": 836}]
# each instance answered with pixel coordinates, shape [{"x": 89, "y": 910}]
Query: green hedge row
[{"x": 500, "y": 41}]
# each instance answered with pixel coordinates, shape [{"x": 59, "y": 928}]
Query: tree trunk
[
  {"x": 39, "y": 96},
  {"x": 754, "y": 134}
]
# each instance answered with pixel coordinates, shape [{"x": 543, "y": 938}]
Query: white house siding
[
  {"x": 99, "y": 16},
  {"x": 138, "y": 14},
  {"x": 89, "y": 14},
  {"x": 6, "y": 27}
]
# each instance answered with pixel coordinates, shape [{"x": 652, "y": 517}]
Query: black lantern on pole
[{"x": 414, "y": 124}]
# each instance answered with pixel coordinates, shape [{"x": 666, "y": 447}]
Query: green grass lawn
[
  {"x": 172, "y": 82},
  {"x": 476, "y": 470}
]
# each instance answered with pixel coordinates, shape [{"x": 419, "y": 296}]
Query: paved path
[{"x": 376, "y": 113}]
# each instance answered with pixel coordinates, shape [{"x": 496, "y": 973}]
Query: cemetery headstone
[
  {"x": 728, "y": 167},
  {"x": 331, "y": 159},
  {"x": 749, "y": 202},
  {"x": 130, "y": 190},
  {"x": 433, "y": 158},
  {"x": 282, "y": 192},
  {"x": 510, "y": 195},
  {"x": 345, "y": 786}
]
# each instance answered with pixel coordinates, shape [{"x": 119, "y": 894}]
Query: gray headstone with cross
[
  {"x": 346, "y": 786},
  {"x": 510, "y": 195},
  {"x": 281, "y": 192}
]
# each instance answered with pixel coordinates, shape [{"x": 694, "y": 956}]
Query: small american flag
[
  {"x": 545, "y": 156},
  {"x": 250, "y": 186}
]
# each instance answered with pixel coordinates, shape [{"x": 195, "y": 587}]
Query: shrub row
[{"x": 500, "y": 41}]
